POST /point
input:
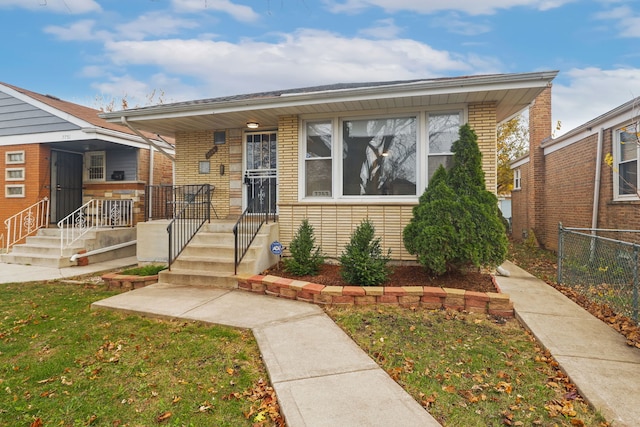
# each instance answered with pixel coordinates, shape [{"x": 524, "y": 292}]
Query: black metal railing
[
  {"x": 246, "y": 229},
  {"x": 192, "y": 208}
]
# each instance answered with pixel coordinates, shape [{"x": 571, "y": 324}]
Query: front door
[
  {"x": 66, "y": 184},
  {"x": 261, "y": 170}
]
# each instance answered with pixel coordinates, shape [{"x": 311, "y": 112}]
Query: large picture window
[
  {"x": 379, "y": 157},
  {"x": 627, "y": 161},
  {"x": 389, "y": 157}
]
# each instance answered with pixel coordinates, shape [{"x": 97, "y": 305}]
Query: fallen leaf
[
  {"x": 163, "y": 417},
  {"x": 36, "y": 423}
]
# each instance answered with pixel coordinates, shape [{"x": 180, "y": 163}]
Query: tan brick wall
[
  {"x": 482, "y": 118},
  {"x": 192, "y": 148},
  {"x": 333, "y": 222}
]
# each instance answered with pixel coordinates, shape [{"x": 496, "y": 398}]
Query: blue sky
[{"x": 91, "y": 52}]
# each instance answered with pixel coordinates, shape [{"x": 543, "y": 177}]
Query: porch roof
[{"x": 511, "y": 92}]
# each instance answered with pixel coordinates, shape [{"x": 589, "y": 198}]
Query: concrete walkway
[
  {"x": 594, "y": 356},
  {"x": 322, "y": 378}
]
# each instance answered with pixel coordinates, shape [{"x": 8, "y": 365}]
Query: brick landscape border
[
  {"x": 128, "y": 282},
  {"x": 493, "y": 303}
]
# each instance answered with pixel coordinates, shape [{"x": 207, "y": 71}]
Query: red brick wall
[
  {"x": 569, "y": 179},
  {"x": 36, "y": 183},
  {"x": 519, "y": 206}
]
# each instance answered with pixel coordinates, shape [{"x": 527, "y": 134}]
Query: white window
[
  {"x": 14, "y": 190},
  {"x": 14, "y": 157},
  {"x": 380, "y": 156},
  {"x": 517, "y": 179},
  {"x": 318, "y": 159},
  {"x": 95, "y": 166},
  {"x": 626, "y": 158},
  {"x": 14, "y": 174}
]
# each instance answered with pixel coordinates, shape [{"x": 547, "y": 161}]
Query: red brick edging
[
  {"x": 494, "y": 303},
  {"x": 128, "y": 281}
]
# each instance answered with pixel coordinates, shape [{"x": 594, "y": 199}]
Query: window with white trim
[
  {"x": 517, "y": 179},
  {"x": 318, "y": 159},
  {"x": 626, "y": 158},
  {"x": 443, "y": 132},
  {"x": 14, "y": 190},
  {"x": 14, "y": 157},
  {"x": 379, "y": 156},
  {"x": 14, "y": 174},
  {"x": 95, "y": 166}
]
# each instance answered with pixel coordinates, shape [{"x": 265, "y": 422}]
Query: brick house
[
  {"x": 567, "y": 179},
  {"x": 50, "y": 148},
  {"x": 336, "y": 154}
]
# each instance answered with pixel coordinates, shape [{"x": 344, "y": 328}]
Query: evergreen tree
[{"x": 456, "y": 223}]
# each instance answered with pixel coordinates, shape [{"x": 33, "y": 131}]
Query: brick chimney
[{"x": 539, "y": 131}]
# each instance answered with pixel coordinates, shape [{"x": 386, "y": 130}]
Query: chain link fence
[{"x": 601, "y": 267}]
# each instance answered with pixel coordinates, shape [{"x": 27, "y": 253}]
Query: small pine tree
[
  {"x": 306, "y": 258},
  {"x": 362, "y": 261},
  {"x": 456, "y": 223}
]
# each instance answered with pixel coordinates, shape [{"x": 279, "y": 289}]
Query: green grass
[
  {"x": 66, "y": 365},
  {"x": 467, "y": 370},
  {"x": 145, "y": 270}
]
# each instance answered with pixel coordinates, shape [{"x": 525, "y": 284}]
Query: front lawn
[{"x": 66, "y": 365}]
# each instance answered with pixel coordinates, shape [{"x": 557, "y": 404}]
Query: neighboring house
[
  {"x": 50, "y": 148},
  {"x": 568, "y": 179},
  {"x": 336, "y": 154}
]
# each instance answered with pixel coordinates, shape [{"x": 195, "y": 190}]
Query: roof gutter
[
  {"x": 124, "y": 121},
  {"x": 425, "y": 87}
]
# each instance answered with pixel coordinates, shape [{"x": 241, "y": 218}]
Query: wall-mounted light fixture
[{"x": 253, "y": 125}]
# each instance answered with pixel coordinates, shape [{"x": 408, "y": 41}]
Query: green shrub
[
  {"x": 145, "y": 270},
  {"x": 457, "y": 222},
  {"x": 362, "y": 262},
  {"x": 306, "y": 258}
]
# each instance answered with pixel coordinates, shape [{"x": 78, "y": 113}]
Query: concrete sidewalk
[
  {"x": 594, "y": 356},
  {"x": 12, "y": 273},
  {"x": 321, "y": 377}
]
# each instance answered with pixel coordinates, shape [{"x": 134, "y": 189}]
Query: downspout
[
  {"x": 173, "y": 164},
  {"x": 151, "y": 156},
  {"x": 596, "y": 184},
  {"x": 124, "y": 121}
]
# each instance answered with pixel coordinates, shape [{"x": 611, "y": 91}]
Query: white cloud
[
  {"x": 472, "y": 7},
  {"x": 453, "y": 23},
  {"x": 627, "y": 22},
  {"x": 83, "y": 30},
  {"x": 382, "y": 29},
  {"x": 154, "y": 24},
  {"x": 299, "y": 59},
  {"x": 138, "y": 93},
  {"x": 57, "y": 6},
  {"x": 239, "y": 12},
  {"x": 592, "y": 92}
]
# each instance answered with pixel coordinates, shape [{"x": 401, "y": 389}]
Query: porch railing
[
  {"x": 192, "y": 204},
  {"x": 247, "y": 227},
  {"x": 26, "y": 222},
  {"x": 165, "y": 201},
  {"x": 96, "y": 213}
]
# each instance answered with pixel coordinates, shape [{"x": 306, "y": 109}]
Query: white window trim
[
  {"x": 616, "y": 169},
  {"x": 8, "y": 170},
  {"x": 18, "y": 162},
  {"x": 14, "y": 196},
  {"x": 87, "y": 157},
  {"x": 517, "y": 179},
  {"x": 422, "y": 152}
]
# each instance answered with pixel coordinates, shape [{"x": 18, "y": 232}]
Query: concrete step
[
  {"x": 37, "y": 259},
  {"x": 43, "y": 250},
  {"x": 210, "y": 238},
  {"x": 205, "y": 278}
]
